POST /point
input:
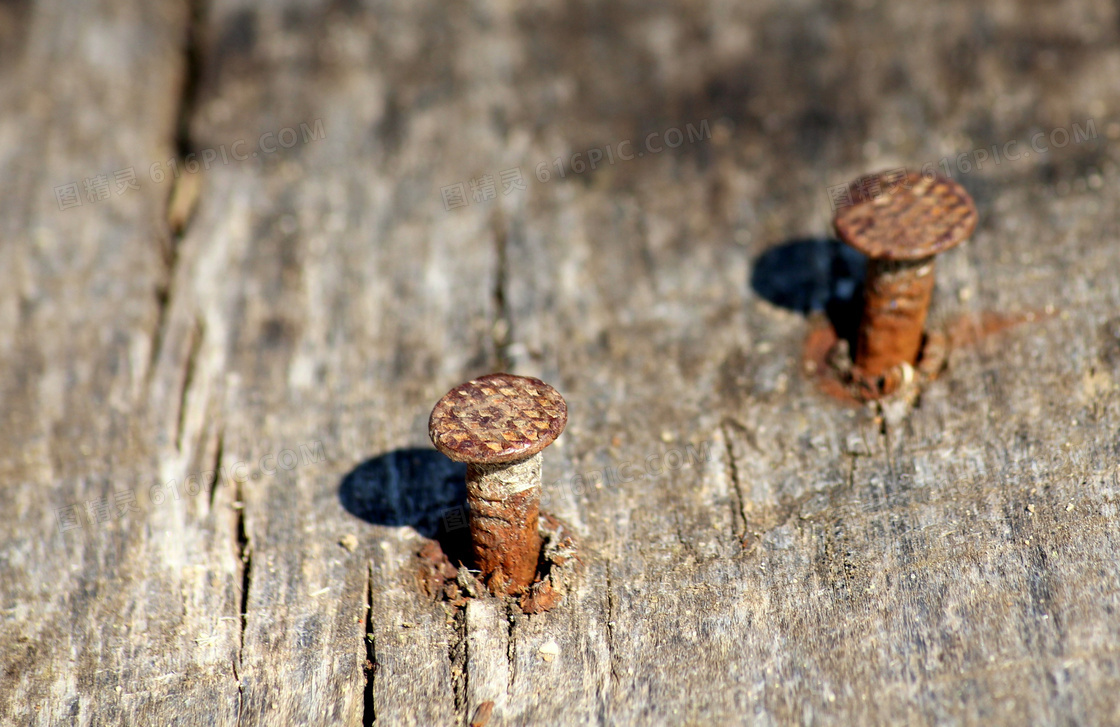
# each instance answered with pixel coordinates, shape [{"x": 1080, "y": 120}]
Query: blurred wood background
[{"x": 253, "y": 243}]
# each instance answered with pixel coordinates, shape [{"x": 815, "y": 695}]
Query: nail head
[
  {"x": 496, "y": 419},
  {"x": 918, "y": 217}
]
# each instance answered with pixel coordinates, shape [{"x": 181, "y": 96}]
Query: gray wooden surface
[{"x": 288, "y": 320}]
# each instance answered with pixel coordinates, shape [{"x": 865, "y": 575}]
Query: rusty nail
[
  {"x": 901, "y": 230},
  {"x": 498, "y": 425}
]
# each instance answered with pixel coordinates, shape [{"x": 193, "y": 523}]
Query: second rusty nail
[
  {"x": 498, "y": 425},
  {"x": 901, "y": 231}
]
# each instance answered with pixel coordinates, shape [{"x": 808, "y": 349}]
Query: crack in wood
[
  {"x": 188, "y": 97},
  {"x": 611, "y": 615},
  {"x": 457, "y": 654},
  {"x": 217, "y": 465},
  {"x": 369, "y": 710},
  {"x": 501, "y": 330},
  {"x": 163, "y": 297},
  {"x": 738, "y": 505},
  {"x": 198, "y": 332},
  {"x": 245, "y": 556},
  {"x": 511, "y": 648},
  {"x": 192, "y": 74}
]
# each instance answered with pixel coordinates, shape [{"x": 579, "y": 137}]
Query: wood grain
[{"x": 765, "y": 556}]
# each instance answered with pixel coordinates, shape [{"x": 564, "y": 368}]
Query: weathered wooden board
[{"x": 281, "y": 319}]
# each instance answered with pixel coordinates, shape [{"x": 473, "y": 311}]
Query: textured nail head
[
  {"x": 918, "y": 218},
  {"x": 496, "y": 419}
]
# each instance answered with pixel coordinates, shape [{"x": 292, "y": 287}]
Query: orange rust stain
[
  {"x": 961, "y": 332},
  {"x": 814, "y": 357},
  {"x": 970, "y": 329}
]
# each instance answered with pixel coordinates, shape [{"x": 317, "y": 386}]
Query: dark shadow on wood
[
  {"x": 814, "y": 275},
  {"x": 417, "y": 488}
]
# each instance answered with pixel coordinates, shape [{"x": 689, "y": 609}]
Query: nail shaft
[
  {"x": 896, "y": 300},
  {"x": 504, "y": 502}
]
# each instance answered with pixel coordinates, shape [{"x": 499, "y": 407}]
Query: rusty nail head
[
  {"x": 498, "y": 425},
  {"x": 497, "y": 419},
  {"x": 901, "y": 230}
]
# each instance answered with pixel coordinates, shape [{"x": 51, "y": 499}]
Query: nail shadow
[
  {"x": 810, "y": 275},
  {"x": 412, "y": 487}
]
